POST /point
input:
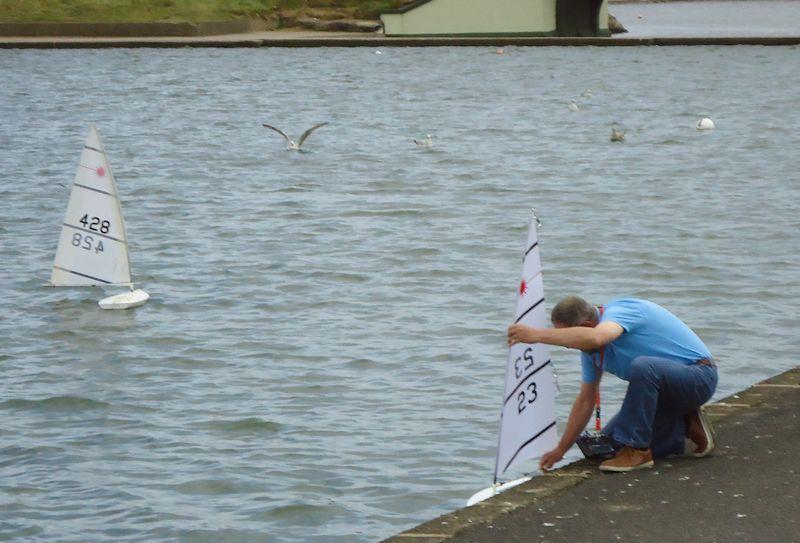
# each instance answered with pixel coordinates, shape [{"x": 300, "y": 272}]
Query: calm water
[
  {"x": 710, "y": 18},
  {"x": 323, "y": 355}
]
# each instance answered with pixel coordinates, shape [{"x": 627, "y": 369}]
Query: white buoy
[{"x": 705, "y": 124}]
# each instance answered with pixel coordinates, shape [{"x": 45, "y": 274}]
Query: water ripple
[{"x": 322, "y": 357}]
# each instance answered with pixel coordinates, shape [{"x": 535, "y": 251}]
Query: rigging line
[
  {"x": 531, "y": 308},
  {"x": 83, "y": 275},
  {"x": 531, "y": 440},
  {"x": 531, "y": 374},
  {"x": 94, "y": 189},
  {"x": 93, "y": 232},
  {"x": 534, "y": 276}
]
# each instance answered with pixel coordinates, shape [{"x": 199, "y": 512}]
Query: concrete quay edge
[
  {"x": 294, "y": 39},
  {"x": 461, "y": 521}
]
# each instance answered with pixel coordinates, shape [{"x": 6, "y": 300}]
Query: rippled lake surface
[
  {"x": 705, "y": 18},
  {"x": 323, "y": 355}
]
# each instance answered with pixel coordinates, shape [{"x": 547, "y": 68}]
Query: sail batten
[
  {"x": 94, "y": 189},
  {"x": 104, "y": 236},
  {"x": 93, "y": 245}
]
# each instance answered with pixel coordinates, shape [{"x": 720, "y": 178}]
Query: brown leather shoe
[
  {"x": 629, "y": 459},
  {"x": 700, "y": 433}
]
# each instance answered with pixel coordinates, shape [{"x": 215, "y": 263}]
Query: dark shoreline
[{"x": 308, "y": 39}]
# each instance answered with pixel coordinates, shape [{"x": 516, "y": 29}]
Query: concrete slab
[{"x": 311, "y": 38}]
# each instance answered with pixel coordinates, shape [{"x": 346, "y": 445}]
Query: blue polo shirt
[{"x": 650, "y": 330}]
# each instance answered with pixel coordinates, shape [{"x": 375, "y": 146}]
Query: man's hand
[
  {"x": 549, "y": 458},
  {"x": 519, "y": 333}
]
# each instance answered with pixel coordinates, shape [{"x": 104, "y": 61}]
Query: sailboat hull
[
  {"x": 126, "y": 300},
  {"x": 494, "y": 490}
]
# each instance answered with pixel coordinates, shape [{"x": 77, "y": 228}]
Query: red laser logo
[
  {"x": 523, "y": 287},
  {"x": 101, "y": 171}
]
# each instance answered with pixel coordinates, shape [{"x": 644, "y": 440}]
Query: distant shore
[
  {"x": 323, "y": 27},
  {"x": 151, "y": 18}
]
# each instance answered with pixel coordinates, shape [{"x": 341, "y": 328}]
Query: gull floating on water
[
  {"x": 290, "y": 143},
  {"x": 573, "y": 106},
  {"x": 427, "y": 142},
  {"x": 587, "y": 93},
  {"x": 705, "y": 124},
  {"x": 617, "y": 134}
]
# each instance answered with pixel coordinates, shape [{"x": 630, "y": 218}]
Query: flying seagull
[{"x": 290, "y": 143}]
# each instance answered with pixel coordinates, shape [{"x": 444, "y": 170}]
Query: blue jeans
[{"x": 660, "y": 392}]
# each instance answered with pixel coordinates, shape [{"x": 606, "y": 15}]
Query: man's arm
[
  {"x": 578, "y": 418},
  {"x": 577, "y": 337}
]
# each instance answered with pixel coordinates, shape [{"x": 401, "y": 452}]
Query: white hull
[
  {"x": 494, "y": 490},
  {"x": 125, "y": 300}
]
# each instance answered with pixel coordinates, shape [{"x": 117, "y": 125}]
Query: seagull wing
[
  {"x": 308, "y": 132},
  {"x": 279, "y": 131}
]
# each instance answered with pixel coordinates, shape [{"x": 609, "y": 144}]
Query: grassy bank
[{"x": 137, "y": 11}]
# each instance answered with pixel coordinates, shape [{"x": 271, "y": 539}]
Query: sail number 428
[
  {"x": 87, "y": 242},
  {"x": 96, "y": 224}
]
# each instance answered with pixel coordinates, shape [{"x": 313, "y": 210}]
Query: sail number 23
[{"x": 528, "y": 394}]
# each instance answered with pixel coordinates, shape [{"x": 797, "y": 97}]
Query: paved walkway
[
  {"x": 310, "y": 38},
  {"x": 747, "y": 491}
]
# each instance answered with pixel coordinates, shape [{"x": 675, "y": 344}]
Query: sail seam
[
  {"x": 531, "y": 308},
  {"x": 96, "y": 233},
  {"x": 83, "y": 275},
  {"x": 94, "y": 189},
  {"x": 531, "y": 440},
  {"x": 531, "y": 374}
]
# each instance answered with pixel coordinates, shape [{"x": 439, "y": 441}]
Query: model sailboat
[
  {"x": 93, "y": 247},
  {"x": 527, "y": 420}
]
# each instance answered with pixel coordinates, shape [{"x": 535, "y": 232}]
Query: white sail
[
  {"x": 528, "y": 421},
  {"x": 93, "y": 247}
]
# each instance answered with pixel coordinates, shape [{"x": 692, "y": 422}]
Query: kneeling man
[{"x": 670, "y": 374}]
